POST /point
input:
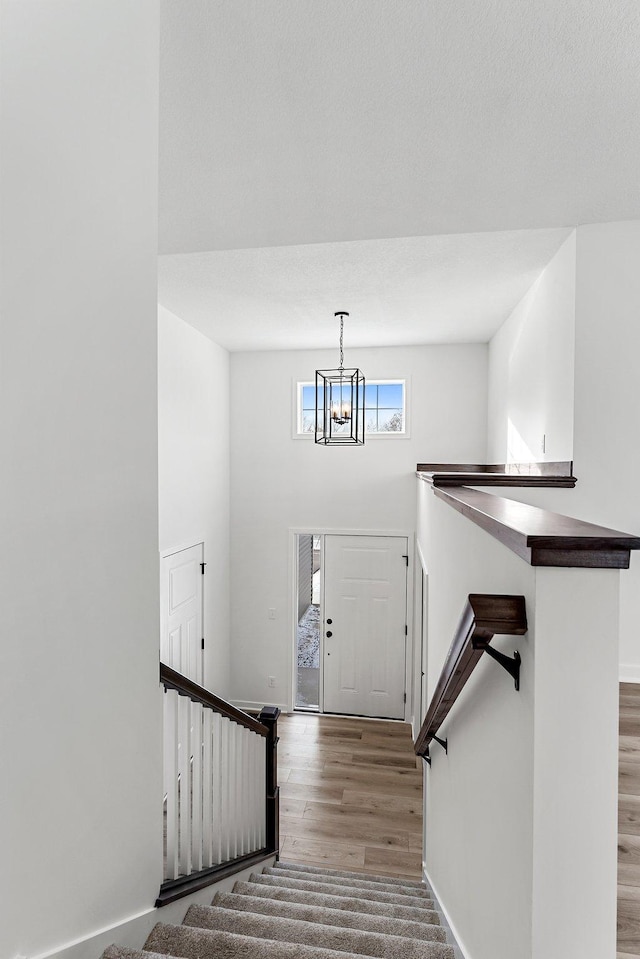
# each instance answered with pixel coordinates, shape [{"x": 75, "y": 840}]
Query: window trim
[{"x": 297, "y": 385}]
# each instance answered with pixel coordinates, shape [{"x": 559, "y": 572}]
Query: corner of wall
[{"x": 531, "y": 369}]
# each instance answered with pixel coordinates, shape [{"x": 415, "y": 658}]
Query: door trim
[
  {"x": 293, "y": 606},
  {"x": 292, "y": 603}
]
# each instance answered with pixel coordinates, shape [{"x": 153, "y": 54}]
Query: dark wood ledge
[
  {"x": 559, "y": 474},
  {"x": 540, "y": 537},
  {"x": 484, "y": 616}
]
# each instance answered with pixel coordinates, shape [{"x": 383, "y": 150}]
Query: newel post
[{"x": 269, "y": 718}]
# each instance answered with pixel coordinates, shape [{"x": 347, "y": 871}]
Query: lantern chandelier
[{"x": 340, "y": 402}]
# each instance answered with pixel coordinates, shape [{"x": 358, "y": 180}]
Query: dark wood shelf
[
  {"x": 540, "y": 537},
  {"x": 440, "y": 475}
]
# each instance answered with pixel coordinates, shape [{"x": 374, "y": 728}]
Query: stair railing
[
  {"x": 221, "y": 791},
  {"x": 484, "y": 616}
]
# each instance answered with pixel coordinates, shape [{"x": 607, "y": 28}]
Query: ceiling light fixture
[{"x": 340, "y": 402}]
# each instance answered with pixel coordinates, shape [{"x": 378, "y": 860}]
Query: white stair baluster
[
  {"x": 170, "y": 768},
  {"x": 259, "y": 792},
  {"x": 263, "y": 793},
  {"x": 249, "y": 786},
  {"x": 238, "y": 789},
  {"x": 254, "y": 787},
  {"x": 248, "y": 789},
  {"x": 216, "y": 766},
  {"x": 242, "y": 786},
  {"x": 184, "y": 734},
  {"x": 207, "y": 788},
  {"x": 224, "y": 774},
  {"x": 233, "y": 790},
  {"x": 255, "y": 751},
  {"x": 196, "y": 786},
  {"x": 242, "y": 790}
]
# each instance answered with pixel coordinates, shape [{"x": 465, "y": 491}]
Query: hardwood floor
[
  {"x": 629, "y": 823},
  {"x": 350, "y": 794}
]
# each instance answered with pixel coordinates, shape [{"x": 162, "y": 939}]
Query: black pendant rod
[{"x": 341, "y": 314}]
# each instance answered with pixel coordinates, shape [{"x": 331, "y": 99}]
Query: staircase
[{"x": 295, "y": 911}]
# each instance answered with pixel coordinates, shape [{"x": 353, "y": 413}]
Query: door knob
[{"x": 329, "y": 633}]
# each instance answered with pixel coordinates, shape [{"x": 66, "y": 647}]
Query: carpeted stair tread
[
  {"x": 189, "y": 942},
  {"x": 418, "y": 901},
  {"x": 385, "y": 925},
  {"x": 322, "y": 900},
  {"x": 351, "y": 883},
  {"x": 344, "y": 874},
  {"x": 312, "y": 934}
]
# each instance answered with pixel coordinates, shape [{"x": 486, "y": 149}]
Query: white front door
[
  {"x": 365, "y": 605},
  {"x": 181, "y": 612}
]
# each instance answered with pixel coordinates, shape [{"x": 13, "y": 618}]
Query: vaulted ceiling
[{"x": 292, "y": 122}]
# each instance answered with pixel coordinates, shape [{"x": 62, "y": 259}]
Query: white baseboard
[
  {"x": 133, "y": 930},
  {"x": 629, "y": 673},
  {"x": 246, "y": 705},
  {"x": 460, "y": 948}
]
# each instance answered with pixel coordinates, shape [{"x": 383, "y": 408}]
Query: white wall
[
  {"x": 531, "y": 361},
  {"x": 508, "y": 807},
  {"x": 576, "y": 719},
  {"x": 479, "y": 797},
  {"x": 607, "y": 453},
  {"x": 607, "y": 409},
  {"x": 193, "y": 455},
  {"x": 81, "y": 707},
  {"x": 279, "y": 482}
]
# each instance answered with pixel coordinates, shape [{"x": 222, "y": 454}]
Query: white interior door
[
  {"x": 181, "y": 612},
  {"x": 365, "y": 625}
]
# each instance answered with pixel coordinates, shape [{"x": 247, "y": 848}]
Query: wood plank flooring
[
  {"x": 629, "y": 823},
  {"x": 350, "y": 794}
]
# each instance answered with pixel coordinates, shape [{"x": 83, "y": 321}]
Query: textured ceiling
[
  {"x": 307, "y": 121},
  {"x": 400, "y": 291},
  {"x": 445, "y": 138}
]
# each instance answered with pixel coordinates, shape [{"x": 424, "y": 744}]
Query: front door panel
[{"x": 365, "y": 599}]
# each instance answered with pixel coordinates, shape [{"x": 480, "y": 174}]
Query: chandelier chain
[{"x": 341, "y": 347}]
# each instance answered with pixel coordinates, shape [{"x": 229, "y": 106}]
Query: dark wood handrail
[
  {"x": 484, "y": 616},
  {"x": 171, "y": 679}
]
